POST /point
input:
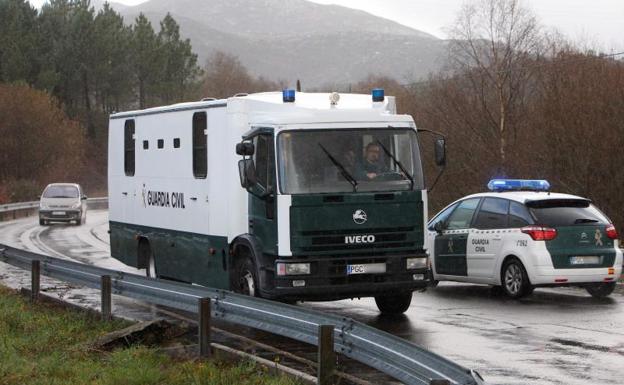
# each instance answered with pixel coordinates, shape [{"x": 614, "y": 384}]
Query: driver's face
[{"x": 372, "y": 154}]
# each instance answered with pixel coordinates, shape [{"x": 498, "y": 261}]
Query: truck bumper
[{"x": 329, "y": 279}]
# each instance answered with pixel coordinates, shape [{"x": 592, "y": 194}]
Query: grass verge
[{"x": 45, "y": 344}]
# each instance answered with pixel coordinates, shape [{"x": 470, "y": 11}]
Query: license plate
[
  {"x": 58, "y": 212},
  {"x": 585, "y": 260},
  {"x": 371, "y": 268}
]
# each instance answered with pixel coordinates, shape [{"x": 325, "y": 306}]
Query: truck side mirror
[
  {"x": 247, "y": 173},
  {"x": 440, "y": 152},
  {"x": 245, "y": 148}
]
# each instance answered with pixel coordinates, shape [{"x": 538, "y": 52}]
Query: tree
[
  {"x": 493, "y": 42},
  {"x": 225, "y": 76},
  {"x": 41, "y": 143},
  {"x": 18, "y": 41},
  {"x": 146, "y": 60},
  {"x": 112, "y": 69},
  {"x": 180, "y": 70}
]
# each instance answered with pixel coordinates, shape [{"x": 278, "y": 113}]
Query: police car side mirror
[
  {"x": 438, "y": 227},
  {"x": 247, "y": 173},
  {"x": 440, "y": 152},
  {"x": 245, "y": 149}
]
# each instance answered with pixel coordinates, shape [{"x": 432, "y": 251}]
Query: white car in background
[
  {"x": 520, "y": 236},
  {"x": 63, "y": 202}
]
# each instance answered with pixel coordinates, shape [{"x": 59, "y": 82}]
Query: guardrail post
[
  {"x": 35, "y": 280},
  {"x": 106, "y": 302},
  {"x": 204, "y": 328},
  {"x": 439, "y": 382},
  {"x": 326, "y": 356}
]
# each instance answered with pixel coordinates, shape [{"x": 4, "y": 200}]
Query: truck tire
[
  {"x": 146, "y": 256},
  {"x": 601, "y": 290},
  {"x": 244, "y": 279},
  {"x": 394, "y": 303},
  {"x": 514, "y": 279}
]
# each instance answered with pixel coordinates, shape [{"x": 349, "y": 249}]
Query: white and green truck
[{"x": 288, "y": 196}]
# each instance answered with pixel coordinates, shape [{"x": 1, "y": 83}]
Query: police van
[
  {"x": 520, "y": 236},
  {"x": 289, "y": 196}
]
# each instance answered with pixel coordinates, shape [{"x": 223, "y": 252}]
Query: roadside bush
[{"x": 40, "y": 144}]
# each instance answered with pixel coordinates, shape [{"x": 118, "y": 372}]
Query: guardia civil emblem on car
[{"x": 359, "y": 216}]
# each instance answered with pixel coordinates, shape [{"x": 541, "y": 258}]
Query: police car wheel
[
  {"x": 514, "y": 279},
  {"x": 600, "y": 290},
  {"x": 394, "y": 303}
]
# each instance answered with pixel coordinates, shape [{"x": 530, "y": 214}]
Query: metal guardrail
[
  {"x": 390, "y": 354},
  {"x": 21, "y": 207}
]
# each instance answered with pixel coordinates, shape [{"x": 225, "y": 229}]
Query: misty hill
[{"x": 297, "y": 39}]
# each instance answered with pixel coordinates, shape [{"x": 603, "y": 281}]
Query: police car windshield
[
  {"x": 355, "y": 155},
  {"x": 566, "y": 212}
]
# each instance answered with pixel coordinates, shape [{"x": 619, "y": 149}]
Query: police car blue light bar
[
  {"x": 518, "y": 184},
  {"x": 288, "y": 96},
  {"x": 378, "y": 95}
]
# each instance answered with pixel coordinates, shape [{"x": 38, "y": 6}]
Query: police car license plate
[
  {"x": 58, "y": 212},
  {"x": 370, "y": 268},
  {"x": 585, "y": 260}
]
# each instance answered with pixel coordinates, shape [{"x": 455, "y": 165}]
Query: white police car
[{"x": 520, "y": 236}]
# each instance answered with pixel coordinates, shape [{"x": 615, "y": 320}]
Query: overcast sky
[{"x": 596, "y": 23}]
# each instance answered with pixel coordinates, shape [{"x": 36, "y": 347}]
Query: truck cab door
[
  {"x": 450, "y": 245},
  {"x": 262, "y": 197}
]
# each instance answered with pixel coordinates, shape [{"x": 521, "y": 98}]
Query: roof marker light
[
  {"x": 378, "y": 95},
  {"x": 518, "y": 184},
  {"x": 288, "y": 96}
]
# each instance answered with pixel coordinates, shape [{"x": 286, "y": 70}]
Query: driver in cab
[{"x": 372, "y": 164}]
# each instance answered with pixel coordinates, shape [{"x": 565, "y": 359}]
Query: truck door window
[
  {"x": 200, "y": 145},
  {"x": 492, "y": 214},
  {"x": 462, "y": 216},
  {"x": 129, "y": 147},
  {"x": 263, "y": 160}
]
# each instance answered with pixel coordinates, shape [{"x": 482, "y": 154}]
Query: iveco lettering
[
  {"x": 288, "y": 196},
  {"x": 521, "y": 236}
]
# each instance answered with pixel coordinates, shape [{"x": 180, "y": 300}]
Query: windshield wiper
[
  {"x": 585, "y": 220},
  {"x": 343, "y": 171},
  {"x": 396, "y": 161}
]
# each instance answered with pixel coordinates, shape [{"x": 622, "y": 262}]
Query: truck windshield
[{"x": 347, "y": 160}]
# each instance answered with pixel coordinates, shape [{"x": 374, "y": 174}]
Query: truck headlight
[
  {"x": 293, "y": 268},
  {"x": 416, "y": 263}
]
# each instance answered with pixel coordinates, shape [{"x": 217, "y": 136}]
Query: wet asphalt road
[{"x": 556, "y": 336}]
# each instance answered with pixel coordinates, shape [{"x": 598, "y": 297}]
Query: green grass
[{"x": 42, "y": 344}]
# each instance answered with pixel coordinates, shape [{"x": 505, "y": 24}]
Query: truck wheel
[
  {"x": 432, "y": 282},
  {"x": 147, "y": 257},
  {"x": 244, "y": 278},
  {"x": 514, "y": 279},
  {"x": 394, "y": 303},
  {"x": 600, "y": 290}
]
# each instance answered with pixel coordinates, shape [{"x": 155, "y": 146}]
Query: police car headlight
[
  {"x": 416, "y": 263},
  {"x": 293, "y": 268}
]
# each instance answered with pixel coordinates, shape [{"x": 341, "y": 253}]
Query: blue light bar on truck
[
  {"x": 378, "y": 95},
  {"x": 288, "y": 96},
  {"x": 518, "y": 185}
]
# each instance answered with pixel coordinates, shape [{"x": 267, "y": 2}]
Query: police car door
[
  {"x": 450, "y": 245},
  {"x": 486, "y": 238}
]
